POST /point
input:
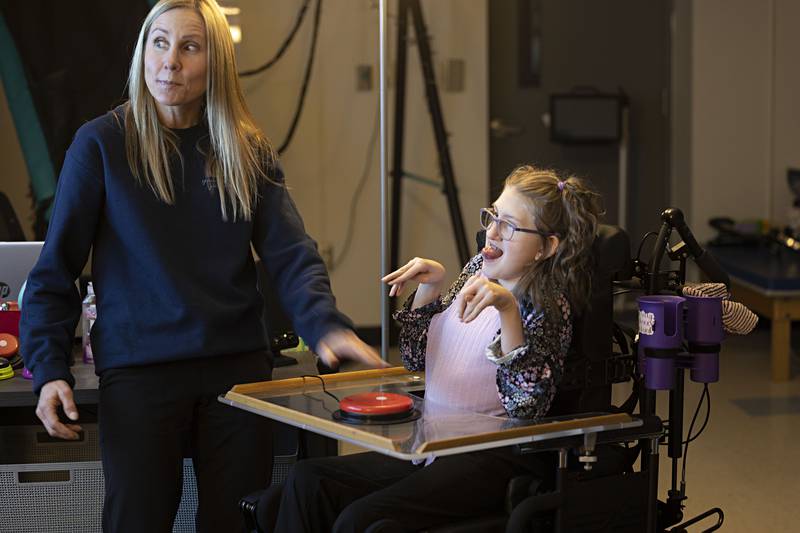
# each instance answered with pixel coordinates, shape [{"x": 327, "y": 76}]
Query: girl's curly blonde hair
[{"x": 570, "y": 208}]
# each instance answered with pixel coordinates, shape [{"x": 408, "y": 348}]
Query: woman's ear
[{"x": 551, "y": 245}]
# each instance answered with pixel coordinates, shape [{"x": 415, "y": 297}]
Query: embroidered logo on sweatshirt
[{"x": 211, "y": 183}]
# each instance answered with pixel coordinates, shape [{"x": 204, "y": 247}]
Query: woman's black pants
[{"x": 151, "y": 417}]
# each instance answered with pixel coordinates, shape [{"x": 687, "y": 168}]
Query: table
[
  {"x": 766, "y": 280},
  {"x": 17, "y": 391},
  {"x": 440, "y": 430}
]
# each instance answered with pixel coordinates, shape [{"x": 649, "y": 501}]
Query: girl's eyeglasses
[{"x": 505, "y": 228}]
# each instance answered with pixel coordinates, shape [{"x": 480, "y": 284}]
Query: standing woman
[{"x": 170, "y": 191}]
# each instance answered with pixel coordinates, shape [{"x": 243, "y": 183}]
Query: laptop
[{"x": 16, "y": 261}]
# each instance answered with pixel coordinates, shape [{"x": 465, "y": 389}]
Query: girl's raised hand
[
  {"x": 479, "y": 293},
  {"x": 418, "y": 269}
]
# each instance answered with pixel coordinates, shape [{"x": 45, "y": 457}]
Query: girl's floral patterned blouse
[{"x": 528, "y": 375}]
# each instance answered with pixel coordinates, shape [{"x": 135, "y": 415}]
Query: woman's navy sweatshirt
[{"x": 172, "y": 282}]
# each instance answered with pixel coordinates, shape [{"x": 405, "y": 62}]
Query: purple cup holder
[{"x": 661, "y": 333}]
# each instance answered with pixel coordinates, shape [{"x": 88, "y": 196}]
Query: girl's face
[{"x": 507, "y": 260}]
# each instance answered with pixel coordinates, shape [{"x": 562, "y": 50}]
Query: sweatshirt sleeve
[
  {"x": 291, "y": 258},
  {"x": 51, "y": 304}
]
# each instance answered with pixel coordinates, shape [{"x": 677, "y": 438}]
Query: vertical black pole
[
  {"x": 446, "y": 165},
  {"x": 399, "y": 132},
  {"x": 675, "y": 442},
  {"x": 651, "y": 460}
]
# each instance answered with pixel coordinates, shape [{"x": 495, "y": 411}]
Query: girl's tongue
[{"x": 491, "y": 252}]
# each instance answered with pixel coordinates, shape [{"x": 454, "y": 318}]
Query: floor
[{"x": 747, "y": 461}]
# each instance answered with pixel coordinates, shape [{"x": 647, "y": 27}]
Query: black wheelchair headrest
[{"x": 612, "y": 252}]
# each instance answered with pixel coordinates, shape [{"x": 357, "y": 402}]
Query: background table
[
  {"x": 56, "y": 485},
  {"x": 767, "y": 280},
  {"x": 17, "y": 391}
]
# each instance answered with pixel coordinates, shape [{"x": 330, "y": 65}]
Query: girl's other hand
[
  {"x": 479, "y": 293},
  {"x": 418, "y": 269}
]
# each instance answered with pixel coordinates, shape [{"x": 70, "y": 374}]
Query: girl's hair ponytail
[{"x": 569, "y": 208}]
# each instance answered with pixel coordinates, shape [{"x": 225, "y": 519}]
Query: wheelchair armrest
[{"x": 652, "y": 427}]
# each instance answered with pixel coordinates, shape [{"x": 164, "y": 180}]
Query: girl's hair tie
[{"x": 561, "y": 185}]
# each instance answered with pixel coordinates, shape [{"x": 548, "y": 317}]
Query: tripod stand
[{"x": 413, "y": 8}]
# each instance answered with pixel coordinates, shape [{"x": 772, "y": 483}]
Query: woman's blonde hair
[
  {"x": 238, "y": 155},
  {"x": 569, "y": 208}
]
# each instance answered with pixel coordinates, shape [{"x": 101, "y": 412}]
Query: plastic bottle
[{"x": 88, "y": 316}]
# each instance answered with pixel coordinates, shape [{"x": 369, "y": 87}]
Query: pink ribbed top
[{"x": 457, "y": 372}]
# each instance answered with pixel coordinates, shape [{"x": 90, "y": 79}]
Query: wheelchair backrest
[{"x": 585, "y": 385}]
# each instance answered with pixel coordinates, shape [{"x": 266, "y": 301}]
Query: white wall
[
  {"x": 730, "y": 110},
  {"x": 745, "y": 122},
  {"x": 785, "y": 104},
  {"x": 327, "y": 156}
]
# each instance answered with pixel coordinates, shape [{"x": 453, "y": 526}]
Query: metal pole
[{"x": 384, "y": 185}]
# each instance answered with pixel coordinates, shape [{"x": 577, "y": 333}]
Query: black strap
[
  {"x": 704, "y": 348},
  {"x": 662, "y": 353}
]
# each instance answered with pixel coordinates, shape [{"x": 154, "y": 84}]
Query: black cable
[
  {"x": 622, "y": 291},
  {"x": 323, "y": 385},
  {"x": 707, "y": 396},
  {"x": 335, "y": 263},
  {"x": 641, "y": 243},
  {"x": 306, "y": 78},
  {"x": 282, "y": 50}
]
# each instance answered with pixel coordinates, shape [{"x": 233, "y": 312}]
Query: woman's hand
[
  {"x": 55, "y": 394},
  {"x": 479, "y": 293},
  {"x": 423, "y": 271},
  {"x": 344, "y": 344}
]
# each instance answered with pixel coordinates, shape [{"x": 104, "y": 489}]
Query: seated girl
[{"x": 494, "y": 343}]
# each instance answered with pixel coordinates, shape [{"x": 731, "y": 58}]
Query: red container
[{"x": 9, "y": 322}]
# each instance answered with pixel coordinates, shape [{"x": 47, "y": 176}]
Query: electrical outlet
[{"x": 453, "y": 73}]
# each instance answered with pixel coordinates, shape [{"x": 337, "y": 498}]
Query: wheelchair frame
[{"x": 625, "y": 501}]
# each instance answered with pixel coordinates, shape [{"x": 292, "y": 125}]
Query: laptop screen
[{"x": 16, "y": 261}]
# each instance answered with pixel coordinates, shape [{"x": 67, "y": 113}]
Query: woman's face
[
  {"x": 175, "y": 64},
  {"x": 507, "y": 260}
]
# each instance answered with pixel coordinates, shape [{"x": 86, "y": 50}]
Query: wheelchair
[{"x": 596, "y": 486}]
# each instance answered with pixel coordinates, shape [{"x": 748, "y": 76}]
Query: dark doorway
[{"x": 608, "y": 45}]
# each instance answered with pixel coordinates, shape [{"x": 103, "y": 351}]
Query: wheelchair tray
[{"x": 441, "y": 430}]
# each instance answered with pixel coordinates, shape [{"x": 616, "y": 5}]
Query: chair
[
  {"x": 278, "y": 327},
  {"x": 609, "y": 496}
]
